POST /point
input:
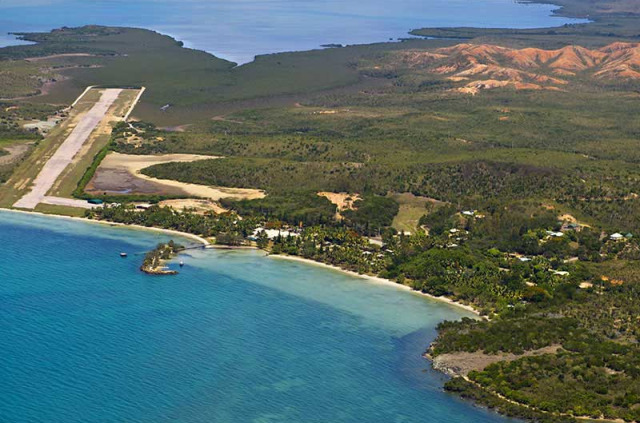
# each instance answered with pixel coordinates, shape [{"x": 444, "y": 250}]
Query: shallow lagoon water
[
  {"x": 235, "y": 337},
  {"x": 238, "y": 30}
]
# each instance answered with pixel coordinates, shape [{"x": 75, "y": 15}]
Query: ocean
[
  {"x": 235, "y": 337},
  {"x": 238, "y": 30}
]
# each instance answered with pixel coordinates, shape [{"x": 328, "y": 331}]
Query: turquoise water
[
  {"x": 238, "y": 30},
  {"x": 235, "y": 337}
]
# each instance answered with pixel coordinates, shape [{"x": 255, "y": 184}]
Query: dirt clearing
[
  {"x": 462, "y": 363},
  {"x": 15, "y": 153},
  {"x": 197, "y": 206},
  {"x": 342, "y": 200},
  {"x": 120, "y": 174}
]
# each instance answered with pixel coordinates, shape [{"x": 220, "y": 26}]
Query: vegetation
[
  {"x": 23, "y": 79},
  {"x": 372, "y": 214},
  {"x": 13, "y": 115},
  {"x": 12, "y": 132},
  {"x": 469, "y": 390},
  {"x": 535, "y": 304},
  {"x": 299, "y": 209},
  {"x": 90, "y": 172},
  {"x": 602, "y": 376},
  {"x": 513, "y": 335},
  {"x": 153, "y": 263},
  {"x": 207, "y": 225},
  {"x": 122, "y": 57},
  {"x": 515, "y": 192}
]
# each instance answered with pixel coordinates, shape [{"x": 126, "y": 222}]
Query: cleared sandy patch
[
  {"x": 15, "y": 153},
  {"x": 567, "y": 218},
  {"x": 43, "y": 126},
  {"x": 121, "y": 174},
  {"x": 342, "y": 200},
  {"x": 462, "y": 363},
  {"x": 195, "y": 205}
]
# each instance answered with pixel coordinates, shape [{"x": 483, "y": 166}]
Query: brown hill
[{"x": 489, "y": 66}]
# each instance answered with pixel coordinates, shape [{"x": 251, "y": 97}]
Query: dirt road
[{"x": 66, "y": 152}]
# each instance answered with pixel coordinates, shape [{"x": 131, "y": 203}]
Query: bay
[
  {"x": 238, "y": 30},
  {"x": 235, "y": 337}
]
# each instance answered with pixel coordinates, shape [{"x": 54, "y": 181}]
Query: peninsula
[{"x": 155, "y": 260}]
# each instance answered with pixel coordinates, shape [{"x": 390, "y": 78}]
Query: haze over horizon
[{"x": 241, "y": 29}]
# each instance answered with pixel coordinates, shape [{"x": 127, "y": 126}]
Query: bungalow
[
  {"x": 469, "y": 213},
  {"x": 571, "y": 226},
  {"x": 274, "y": 233},
  {"x": 616, "y": 237}
]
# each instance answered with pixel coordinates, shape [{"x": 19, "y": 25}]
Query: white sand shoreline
[
  {"x": 115, "y": 224},
  {"x": 376, "y": 279},
  {"x": 206, "y": 243}
]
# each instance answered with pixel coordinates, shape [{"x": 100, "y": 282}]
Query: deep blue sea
[
  {"x": 238, "y": 30},
  {"x": 235, "y": 337}
]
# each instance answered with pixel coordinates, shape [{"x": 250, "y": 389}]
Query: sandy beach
[
  {"x": 206, "y": 243},
  {"x": 114, "y": 224},
  {"x": 376, "y": 279}
]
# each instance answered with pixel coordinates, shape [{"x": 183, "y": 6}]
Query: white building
[{"x": 273, "y": 233}]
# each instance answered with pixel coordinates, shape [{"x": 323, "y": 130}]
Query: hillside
[{"x": 484, "y": 66}]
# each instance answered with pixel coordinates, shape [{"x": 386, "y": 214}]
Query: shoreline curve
[
  {"x": 376, "y": 279},
  {"x": 206, "y": 243},
  {"x": 308, "y": 262},
  {"x": 200, "y": 239}
]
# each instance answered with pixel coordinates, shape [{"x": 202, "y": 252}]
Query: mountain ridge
[{"x": 488, "y": 66}]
